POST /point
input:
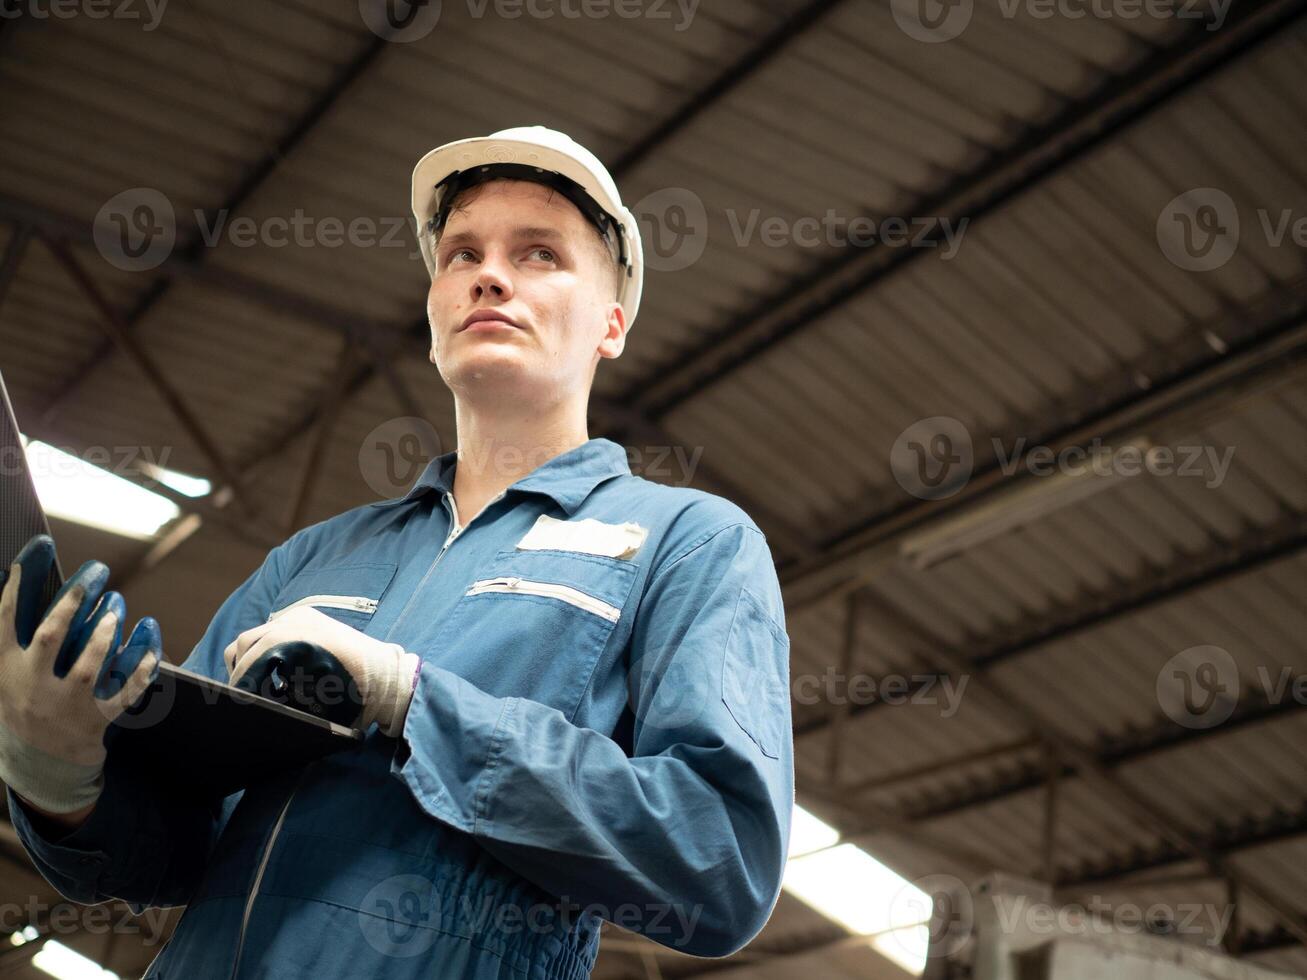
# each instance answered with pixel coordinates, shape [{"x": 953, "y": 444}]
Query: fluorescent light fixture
[
  {"x": 23, "y": 935},
  {"x": 808, "y": 834},
  {"x": 1033, "y": 498},
  {"x": 76, "y": 490},
  {"x": 907, "y": 947},
  {"x": 65, "y": 963},
  {"x": 183, "y": 483},
  {"x": 846, "y": 884}
]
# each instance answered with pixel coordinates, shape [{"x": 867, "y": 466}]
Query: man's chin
[{"x": 492, "y": 366}]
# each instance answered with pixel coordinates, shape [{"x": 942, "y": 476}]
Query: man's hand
[
  {"x": 63, "y": 679},
  {"x": 384, "y": 672}
]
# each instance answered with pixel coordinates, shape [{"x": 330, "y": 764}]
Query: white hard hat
[{"x": 542, "y": 155}]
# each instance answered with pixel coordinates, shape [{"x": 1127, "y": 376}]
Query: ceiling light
[
  {"x": 907, "y": 947},
  {"x": 76, "y": 490},
  {"x": 846, "y": 884},
  {"x": 808, "y": 834},
  {"x": 65, "y": 963},
  {"x": 183, "y": 483}
]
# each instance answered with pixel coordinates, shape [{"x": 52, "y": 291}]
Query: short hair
[{"x": 606, "y": 246}]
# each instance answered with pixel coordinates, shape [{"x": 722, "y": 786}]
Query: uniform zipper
[
  {"x": 575, "y": 597},
  {"x": 454, "y": 531},
  {"x": 359, "y": 603},
  {"x": 258, "y": 876}
]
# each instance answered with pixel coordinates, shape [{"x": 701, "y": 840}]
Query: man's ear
[{"x": 614, "y": 341}]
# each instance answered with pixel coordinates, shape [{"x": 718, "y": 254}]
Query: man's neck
[{"x": 495, "y": 451}]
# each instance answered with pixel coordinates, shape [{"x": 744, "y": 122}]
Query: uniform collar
[{"x": 567, "y": 479}]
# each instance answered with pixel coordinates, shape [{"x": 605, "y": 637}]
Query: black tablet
[
  {"x": 217, "y": 738},
  {"x": 206, "y": 733}
]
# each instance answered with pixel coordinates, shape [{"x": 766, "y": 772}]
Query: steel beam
[
  {"x": 1099, "y": 117},
  {"x": 1278, "y": 356},
  {"x": 1215, "y": 566},
  {"x": 120, "y": 335},
  {"x": 1228, "y": 841},
  {"x": 1006, "y": 701},
  {"x": 839, "y": 713},
  {"x": 193, "y": 253},
  {"x": 328, "y": 412},
  {"x": 780, "y": 37},
  {"x": 57, "y": 225},
  {"x": 1111, "y": 753},
  {"x": 13, "y": 258}
]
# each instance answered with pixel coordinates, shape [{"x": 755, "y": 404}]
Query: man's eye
[
  {"x": 457, "y": 254},
  {"x": 544, "y": 254}
]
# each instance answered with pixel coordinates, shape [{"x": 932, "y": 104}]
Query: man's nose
[{"x": 492, "y": 281}]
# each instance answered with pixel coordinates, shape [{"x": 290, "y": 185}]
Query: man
[{"x": 576, "y": 680}]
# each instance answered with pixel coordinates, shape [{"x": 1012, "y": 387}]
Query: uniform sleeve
[
  {"x": 692, "y": 828},
  {"x": 144, "y": 842}
]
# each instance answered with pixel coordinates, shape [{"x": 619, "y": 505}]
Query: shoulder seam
[{"x": 698, "y": 543}]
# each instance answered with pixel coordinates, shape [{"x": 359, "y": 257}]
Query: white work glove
[
  {"x": 52, "y": 727},
  {"x": 385, "y": 674}
]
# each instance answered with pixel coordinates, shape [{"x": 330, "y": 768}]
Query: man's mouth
[{"x": 489, "y": 318}]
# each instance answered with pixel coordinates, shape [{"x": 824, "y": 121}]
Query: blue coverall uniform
[{"x": 592, "y": 736}]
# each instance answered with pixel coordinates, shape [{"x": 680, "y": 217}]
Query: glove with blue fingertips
[{"x": 63, "y": 678}]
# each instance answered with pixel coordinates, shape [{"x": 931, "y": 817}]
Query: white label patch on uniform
[{"x": 589, "y": 537}]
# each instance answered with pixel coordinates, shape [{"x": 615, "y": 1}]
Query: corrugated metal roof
[{"x": 1055, "y": 307}]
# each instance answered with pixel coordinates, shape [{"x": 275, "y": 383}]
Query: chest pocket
[
  {"x": 533, "y": 623},
  {"x": 349, "y": 593}
]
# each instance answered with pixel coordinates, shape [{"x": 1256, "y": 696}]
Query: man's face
[{"x": 524, "y": 256}]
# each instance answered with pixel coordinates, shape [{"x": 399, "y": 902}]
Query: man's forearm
[{"x": 137, "y": 842}]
